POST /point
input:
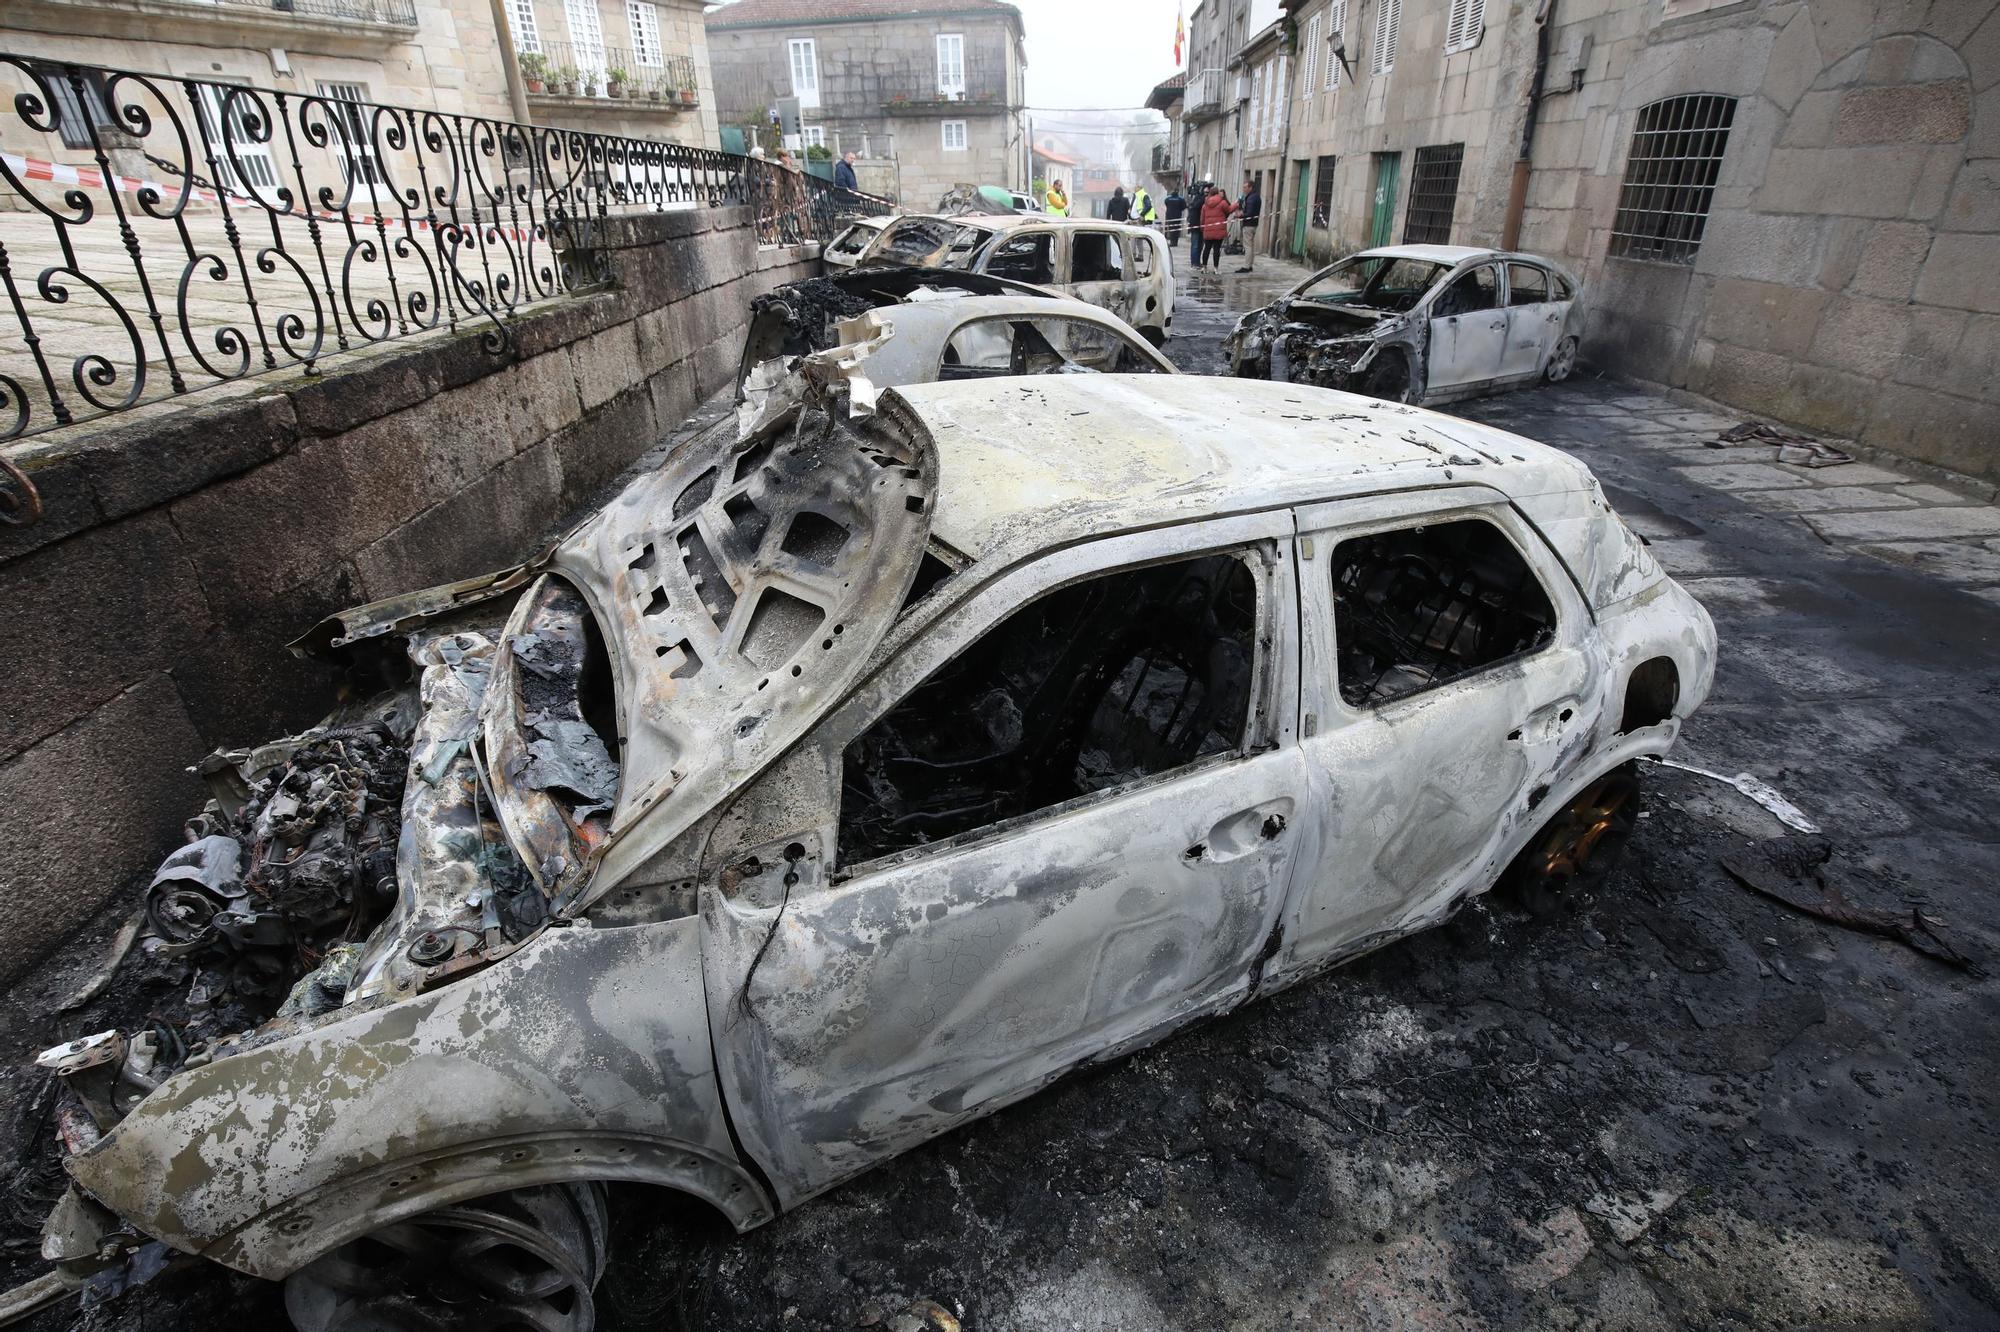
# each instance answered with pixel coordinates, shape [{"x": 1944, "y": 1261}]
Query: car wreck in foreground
[
  {"x": 1417, "y": 324},
  {"x": 882, "y": 756}
]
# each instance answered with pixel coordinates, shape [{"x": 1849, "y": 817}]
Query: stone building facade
[
  {"x": 929, "y": 93},
  {"x": 1791, "y": 205},
  {"x": 451, "y": 56}
]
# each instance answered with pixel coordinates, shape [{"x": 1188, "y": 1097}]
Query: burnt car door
[
  {"x": 1447, "y": 665},
  {"x": 1064, "y": 828},
  {"x": 1468, "y": 330},
  {"x": 1095, "y": 269},
  {"x": 1534, "y": 319}
]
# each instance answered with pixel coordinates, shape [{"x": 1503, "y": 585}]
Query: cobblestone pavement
[{"x": 1682, "y": 1106}]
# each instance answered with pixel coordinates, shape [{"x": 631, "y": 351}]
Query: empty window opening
[
  {"x": 1094, "y": 257},
  {"x": 1420, "y": 607},
  {"x": 1526, "y": 285},
  {"x": 1470, "y": 292},
  {"x": 1433, "y": 194},
  {"x": 1670, "y": 180},
  {"x": 989, "y": 348},
  {"x": 912, "y": 242},
  {"x": 1025, "y": 259},
  {"x": 1091, "y": 687}
]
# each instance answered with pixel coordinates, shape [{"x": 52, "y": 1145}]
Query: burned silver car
[
  {"x": 859, "y": 771},
  {"x": 1418, "y": 324}
]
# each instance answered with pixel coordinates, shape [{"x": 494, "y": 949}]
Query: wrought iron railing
[
  {"x": 401, "y": 13},
  {"x": 611, "y": 74},
  {"x": 219, "y": 231}
]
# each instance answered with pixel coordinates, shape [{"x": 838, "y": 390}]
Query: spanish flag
[{"x": 1180, "y": 33}]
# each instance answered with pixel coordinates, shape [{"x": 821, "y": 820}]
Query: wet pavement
[{"x": 1681, "y": 1106}]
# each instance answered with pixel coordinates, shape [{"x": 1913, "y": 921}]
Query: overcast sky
[{"x": 1097, "y": 52}]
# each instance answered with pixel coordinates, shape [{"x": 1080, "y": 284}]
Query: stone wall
[{"x": 147, "y": 613}]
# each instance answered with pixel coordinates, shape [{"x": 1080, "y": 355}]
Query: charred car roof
[{"x": 1027, "y": 464}]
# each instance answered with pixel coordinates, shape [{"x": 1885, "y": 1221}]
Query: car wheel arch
[{"x": 293, "y": 1234}]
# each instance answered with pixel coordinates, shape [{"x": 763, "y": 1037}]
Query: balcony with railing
[
  {"x": 597, "y": 78},
  {"x": 929, "y": 87},
  {"x": 1204, "y": 95},
  {"x": 1167, "y": 159}
]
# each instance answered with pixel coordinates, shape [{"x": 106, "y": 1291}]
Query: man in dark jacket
[
  {"x": 1176, "y": 209},
  {"x": 1120, "y": 208},
  {"x": 1196, "y": 195},
  {"x": 1252, "y": 205},
  {"x": 843, "y": 172}
]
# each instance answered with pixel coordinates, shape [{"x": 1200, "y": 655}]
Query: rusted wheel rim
[
  {"x": 1567, "y": 850},
  {"x": 527, "y": 1259}
]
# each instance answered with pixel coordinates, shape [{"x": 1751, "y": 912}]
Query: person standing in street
[
  {"x": 1054, "y": 201},
  {"x": 843, "y": 172},
  {"x": 1215, "y": 211},
  {"x": 1252, "y": 206},
  {"x": 1120, "y": 208},
  {"x": 1196, "y": 193},
  {"x": 1176, "y": 210},
  {"x": 1143, "y": 211}
]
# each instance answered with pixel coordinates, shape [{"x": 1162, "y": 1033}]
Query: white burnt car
[
  {"x": 1417, "y": 323},
  {"x": 859, "y": 771}
]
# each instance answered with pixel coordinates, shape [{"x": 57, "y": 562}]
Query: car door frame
[
  {"x": 1484, "y": 333},
  {"x": 747, "y": 958},
  {"x": 1541, "y": 321},
  {"x": 1115, "y": 292},
  {"x": 1321, "y": 929}
]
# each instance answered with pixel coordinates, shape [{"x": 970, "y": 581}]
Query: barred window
[
  {"x": 1676, "y": 158},
  {"x": 1322, "y": 214},
  {"x": 1433, "y": 194}
]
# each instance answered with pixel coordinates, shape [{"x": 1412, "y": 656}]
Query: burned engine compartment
[
  {"x": 1089, "y": 687},
  {"x": 1299, "y": 342}
]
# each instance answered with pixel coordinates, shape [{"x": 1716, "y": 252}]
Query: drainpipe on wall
[
  {"x": 517, "y": 89},
  {"x": 1517, "y": 190},
  {"x": 1288, "y": 47}
]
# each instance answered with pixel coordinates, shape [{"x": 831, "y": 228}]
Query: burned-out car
[
  {"x": 1117, "y": 266},
  {"x": 857, "y": 772},
  {"x": 1417, "y": 323},
  {"x": 845, "y": 249}
]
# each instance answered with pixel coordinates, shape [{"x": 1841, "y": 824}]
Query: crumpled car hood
[{"x": 738, "y": 590}]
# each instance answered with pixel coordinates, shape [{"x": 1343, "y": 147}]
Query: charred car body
[
  {"x": 1418, "y": 324},
  {"x": 880, "y": 757}
]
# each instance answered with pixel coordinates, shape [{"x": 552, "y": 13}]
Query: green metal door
[
  {"x": 1387, "y": 167},
  {"x": 1300, "y": 198}
]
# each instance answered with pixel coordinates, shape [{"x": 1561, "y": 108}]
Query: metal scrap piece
[
  {"x": 1756, "y": 788},
  {"x": 1791, "y": 870}
]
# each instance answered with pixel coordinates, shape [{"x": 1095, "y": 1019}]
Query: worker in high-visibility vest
[
  {"x": 1055, "y": 201},
  {"x": 1142, "y": 206}
]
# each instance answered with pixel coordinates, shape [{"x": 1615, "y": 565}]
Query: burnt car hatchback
[
  {"x": 856, "y": 773},
  {"x": 1417, "y": 324}
]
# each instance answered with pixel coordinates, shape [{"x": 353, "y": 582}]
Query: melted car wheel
[
  {"x": 1389, "y": 379},
  {"x": 527, "y": 1258},
  {"x": 1561, "y": 361},
  {"x": 1574, "y": 852}
]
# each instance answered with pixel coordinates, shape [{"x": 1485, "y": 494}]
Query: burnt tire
[
  {"x": 1571, "y": 856},
  {"x": 1388, "y": 378},
  {"x": 527, "y": 1258}
]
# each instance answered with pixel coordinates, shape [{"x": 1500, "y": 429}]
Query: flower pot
[
  {"x": 535, "y": 86},
  {"x": 653, "y": 95},
  {"x": 614, "y": 90},
  {"x": 687, "y": 97}
]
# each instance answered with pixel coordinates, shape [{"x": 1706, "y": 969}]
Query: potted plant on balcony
[
  {"x": 654, "y": 91},
  {"x": 588, "y": 78},
  {"x": 566, "y": 80},
  {"x": 687, "y": 94},
  {"x": 614, "y": 82},
  {"x": 535, "y": 72}
]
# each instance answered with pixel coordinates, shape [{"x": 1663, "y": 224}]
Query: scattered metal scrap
[
  {"x": 1792, "y": 870},
  {"x": 1757, "y": 789},
  {"x": 1800, "y": 450}
]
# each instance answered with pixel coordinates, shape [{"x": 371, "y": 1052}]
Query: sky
[{"x": 1105, "y": 53}]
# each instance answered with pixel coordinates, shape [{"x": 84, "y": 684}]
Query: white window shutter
[{"x": 1388, "y": 25}]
